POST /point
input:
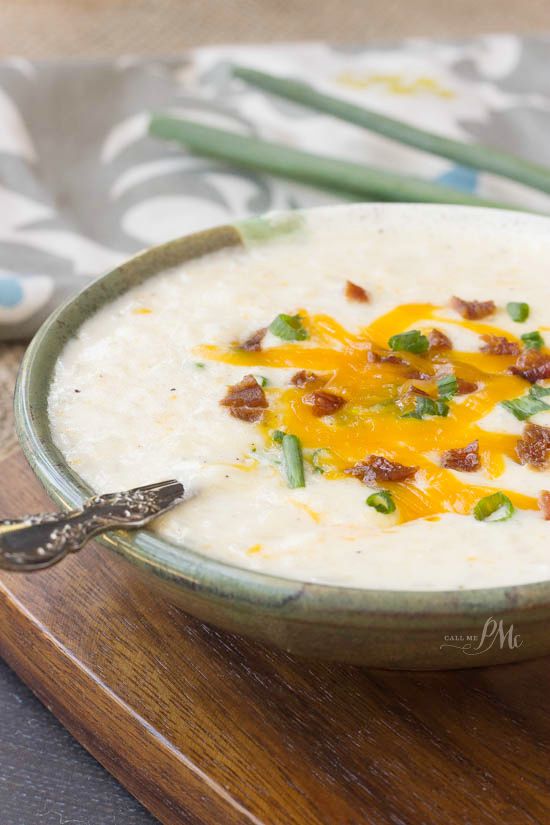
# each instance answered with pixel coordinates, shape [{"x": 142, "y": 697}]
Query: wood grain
[{"x": 206, "y": 727}]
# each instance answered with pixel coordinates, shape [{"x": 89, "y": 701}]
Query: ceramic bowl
[{"x": 379, "y": 628}]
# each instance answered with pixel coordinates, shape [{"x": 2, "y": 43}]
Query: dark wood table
[
  {"x": 207, "y": 727},
  {"x": 46, "y": 777}
]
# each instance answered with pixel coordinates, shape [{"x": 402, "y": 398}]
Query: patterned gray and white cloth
[{"x": 82, "y": 185}]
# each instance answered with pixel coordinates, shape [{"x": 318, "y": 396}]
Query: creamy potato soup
[{"x": 361, "y": 398}]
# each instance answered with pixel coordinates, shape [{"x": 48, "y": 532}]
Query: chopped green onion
[
  {"x": 277, "y": 436},
  {"x": 317, "y": 466},
  {"x": 260, "y": 379},
  {"x": 293, "y": 461},
  {"x": 523, "y": 408},
  {"x": 518, "y": 311},
  {"x": 529, "y": 404},
  {"x": 382, "y": 502},
  {"x": 412, "y": 341},
  {"x": 496, "y": 507},
  {"x": 427, "y": 406},
  {"x": 533, "y": 340},
  {"x": 288, "y": 327},
  {"x": 447, "y": 386},
  {"x": 199, "y": 365},
  {"x": 538, "y": 391}
]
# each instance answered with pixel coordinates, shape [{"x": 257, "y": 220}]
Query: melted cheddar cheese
[{"x": 371, "y": 422}]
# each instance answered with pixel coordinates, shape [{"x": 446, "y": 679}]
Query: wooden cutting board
[{"x": 205, "y": 727}]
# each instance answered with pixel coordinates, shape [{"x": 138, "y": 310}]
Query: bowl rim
[{"x": 204, "y": 575}]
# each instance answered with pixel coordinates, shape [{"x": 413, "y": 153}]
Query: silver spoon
[{"x": 35, "y": 542}]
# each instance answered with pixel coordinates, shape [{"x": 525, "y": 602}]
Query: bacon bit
[
  {"x": 498, "y": 345},
  {"x": 412, "y": 389},
  {"x": 246, "y": 400},
  {"x": 534, "y": 447},
  {"x": 416, "y": 375},
  {"x": 532, "y": 365},
  {"x": 465, "y": 387},
  {"x": 392, "y": 359},
  {"x": 353, "y": 292},
  {"x": 472, "y": 310},
  {"x": 375, "y": 469},
  {"x": 300, "y": 379},
  {"x": 407, "y": 395},
  {"x": 254, "y": 342},
  {"x": 544, "y": 504},
  {"x": 465, "y": 459},
  {"x": 384, "y": 358},
  {"x": 438, "y": 340},
  {"x": 323, "y": 403}
]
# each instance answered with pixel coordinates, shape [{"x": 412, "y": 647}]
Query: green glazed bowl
[{"x": 378, "y": 628}]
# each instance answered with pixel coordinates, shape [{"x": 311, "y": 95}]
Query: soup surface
[{"x": 361, "y": 398}]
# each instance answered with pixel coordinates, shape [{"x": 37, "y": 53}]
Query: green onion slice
[
  {"x": 277, "y": 436},
  {"x": 528, "y": 405},
  {"x": 496, "y": 507},
  {"x": 427, "y": 406},
  {"x": 533, "y": 340},
  {"x": 518, "y": 311},
  {"x": 260, "y": 379},
  {"x": 412, "y": 341},
  {"x": 288, "y": 327},
  {"x": 293, "y": 461},
  {"x": 382, "y": 502},
  {"x": 538, "y": 391},
  {"x": 316, "y": 459},
  {"x": 447, "y": 386}
]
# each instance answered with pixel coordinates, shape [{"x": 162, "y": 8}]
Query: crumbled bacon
[
  {"x": 417, "y": 375},
  {"x": 254, "y": 342},
  {"x": 473, "y": 310},
  {"x": 544, "y": 504},
  {"x": 411, "y": 389},
  {"x": 323, "y": 403},
  {"x": 392, "y": 359},
  {"x": 533, "y": 448},
  {"x": 532, "y": 365},
  {"x": 438, "y": 340},
  {"x": 376, "y": 469},
  {"x": 300, "y": 379},
  {"x": 465, "y": 459},
  {"x": 465, "y": 387},
  {"x": 246, "y": 400},
  {"x": 498, "y": 345},
  {"x": 354, "y": 292},
  {"x": 408, "y": 393},
  {"x": 384, "y": 357}
]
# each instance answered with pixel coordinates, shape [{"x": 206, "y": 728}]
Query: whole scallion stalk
[
  {"x": 485, "y": 158},
  {"x": 318, "y": 170}
]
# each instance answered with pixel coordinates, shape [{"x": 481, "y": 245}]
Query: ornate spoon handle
[{"x": 35, "y": 542}]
